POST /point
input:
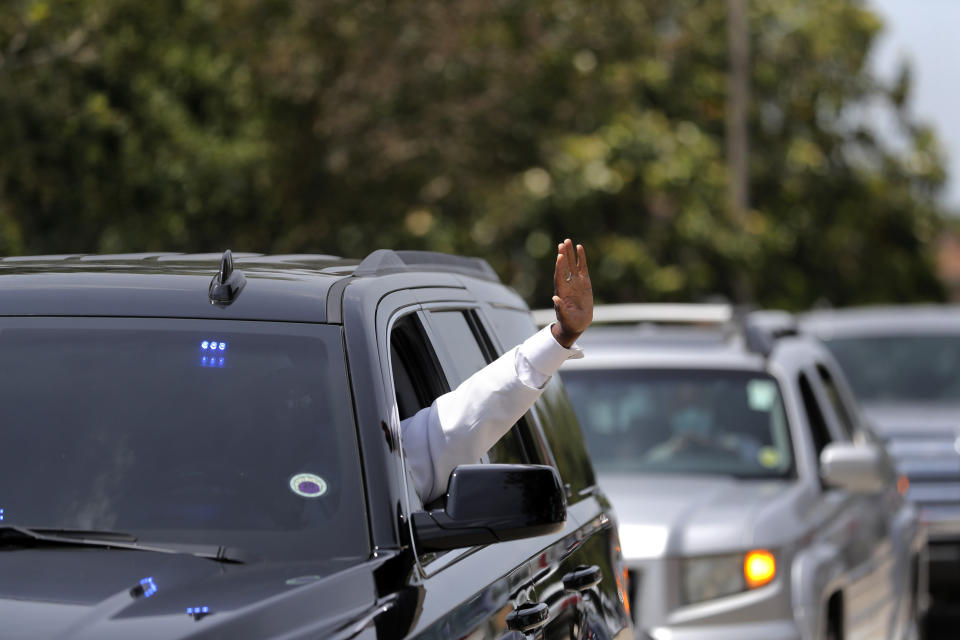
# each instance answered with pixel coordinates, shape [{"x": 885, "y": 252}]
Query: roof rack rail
[
  {"x": 228, "y": 282},
  {"x": 762, "y": 329},
  {"x": 384, "y": 261},
  {"x": 652, "y": 313}
]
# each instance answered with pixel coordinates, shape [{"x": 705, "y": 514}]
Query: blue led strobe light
[
  {"x": 149, "y": 587},
  {"x": 211, "y": 349},
  {"x": 1, "y": 515}
]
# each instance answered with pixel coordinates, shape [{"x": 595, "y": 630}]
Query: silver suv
[
  {"x": 754, "y": 502},
  {"x": 904, "y": 365}
]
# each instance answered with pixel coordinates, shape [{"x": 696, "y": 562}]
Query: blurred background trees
[{"x": 483, "y": 127}]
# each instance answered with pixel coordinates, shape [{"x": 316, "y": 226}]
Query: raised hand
[{"x": 573, "y": 294}]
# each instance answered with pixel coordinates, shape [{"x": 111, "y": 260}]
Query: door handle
[
  {"x": 528, "y": 617},
  {"x": 583, "y": 578}
]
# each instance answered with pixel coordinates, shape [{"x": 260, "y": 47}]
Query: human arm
[{"x": 460, "y": 426}]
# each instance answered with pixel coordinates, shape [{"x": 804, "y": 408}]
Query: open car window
[{"x": 465, "y": 349}]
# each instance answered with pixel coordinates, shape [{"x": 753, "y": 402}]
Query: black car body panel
[{"x": 66, "y": 593}]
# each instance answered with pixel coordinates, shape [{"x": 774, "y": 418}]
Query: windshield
[
  {"x": 231, "y": 433},
  {"x": 683, "y": 421},
  {"x": 907, "y": 368}
]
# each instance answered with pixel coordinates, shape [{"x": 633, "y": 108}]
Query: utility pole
[
  {"x": 738, "y": 144},
  {"x": 738, "y": 104}
]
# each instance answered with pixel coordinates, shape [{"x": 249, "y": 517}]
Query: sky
[{"x": 927, "y": 34}]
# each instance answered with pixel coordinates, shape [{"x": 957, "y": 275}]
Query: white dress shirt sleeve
[{"x": 460, "y": 426}]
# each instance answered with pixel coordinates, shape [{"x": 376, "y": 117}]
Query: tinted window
[
  {"x": 683, "y": 421},
  {"x": 417, "y": 377},
  {"x": 463, "y": 356},
  {"x": 231, "y": 433},
  {"x": 836, "y": 400},
  {"x": 513, "y": 326},
  {"x": 901, "y": 368},
  {"x": 818, "y": 425}
]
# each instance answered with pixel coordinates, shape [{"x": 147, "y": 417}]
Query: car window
[
  {"x": 465, "y": 349},
  {"x": 836, "y": 401},
  {"x": 239, "y": 434},
  {"x": 818, "y": 425},
  {"x": 552, "y": 411},
  {"x": 417, "y": 377},
  {"x": 901, "y": 368},
  {"x": 460, "y": 353},
  {"x": 683, "y": 421}
]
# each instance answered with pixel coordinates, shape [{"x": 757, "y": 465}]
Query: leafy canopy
[{"x": 483, "y": 127}]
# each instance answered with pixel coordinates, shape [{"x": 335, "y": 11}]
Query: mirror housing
[
  {"x": 489, "y": 503},
  {"x": 858, "y": 468}
]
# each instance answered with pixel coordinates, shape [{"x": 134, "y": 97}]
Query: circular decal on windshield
[
  {"x": 308, "y": 485},
  {"x": 769, "y": 457}
]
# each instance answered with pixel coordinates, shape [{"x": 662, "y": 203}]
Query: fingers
[
  {"x": 566, "y": 250},
  {"x": 570, "y": 262},
  {"x": 558, "y": 272},
  {"x": 582, "y": 261}
]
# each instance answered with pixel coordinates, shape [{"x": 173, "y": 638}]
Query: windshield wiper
[{"x": 12, "y": 535}]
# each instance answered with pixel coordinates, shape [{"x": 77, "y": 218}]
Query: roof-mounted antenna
[{"x": 227, "y": 284}]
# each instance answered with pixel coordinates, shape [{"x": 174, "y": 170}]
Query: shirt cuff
[{"x": 545, "y": 354}]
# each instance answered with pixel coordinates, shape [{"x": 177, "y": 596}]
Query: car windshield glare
[
  {"x": 683, "y": 421},
  {"x": 238, "y": 434},
  {"x": 901, "y": 368}
]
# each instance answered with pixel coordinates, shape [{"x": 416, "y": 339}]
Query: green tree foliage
[
  {"x": 124, "y": 125},
  {"x": 484, "y": 127}
]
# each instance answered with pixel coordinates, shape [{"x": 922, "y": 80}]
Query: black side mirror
[{"x": 489, "y": 503}]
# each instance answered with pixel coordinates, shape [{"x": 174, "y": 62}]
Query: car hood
[
  {"x": 907, "y": 420},
  {"x": 668, "y": 514},
  {"x": 924, "y": 441},
  {"x": 73, "y": 593}
]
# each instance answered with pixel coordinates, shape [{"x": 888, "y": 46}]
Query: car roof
[
  {"x": 691, "y": 336},
  {"x": 292, "y": 287},
  {"x": 645, "y": 346},
  {"x": 652, "y": 347},
  {"x": 828, "y": 324}
]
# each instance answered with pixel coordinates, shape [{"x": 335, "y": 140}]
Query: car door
[
  {"x": 849, "y": 523},
  {"x": 831, "y": 519},
  {"x": 873, "y": 597},
  {"x": 468, "y": 593}
]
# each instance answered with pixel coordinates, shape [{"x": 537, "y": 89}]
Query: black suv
[{"x": 200, "y": 448}]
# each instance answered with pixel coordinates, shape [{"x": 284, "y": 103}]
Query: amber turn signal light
[
  {"x": 903, "y": 484},
  {"x": 759, "y": 568}
]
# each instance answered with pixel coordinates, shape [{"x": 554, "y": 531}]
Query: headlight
[{"x": 712, "y": 577}]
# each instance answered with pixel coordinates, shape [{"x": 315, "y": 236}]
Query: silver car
[
  {"x": 753, "y": 501},
  {"x": 903, "y": 363}
]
